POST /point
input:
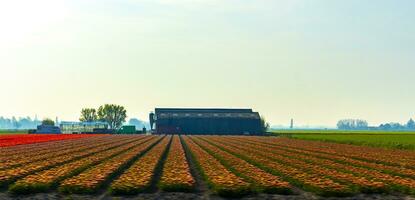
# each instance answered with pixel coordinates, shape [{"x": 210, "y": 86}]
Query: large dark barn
[{"x": 206, "y": 121}]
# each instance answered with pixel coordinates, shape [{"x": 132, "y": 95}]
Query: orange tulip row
[
  {"x": 139, "y": 176},
  {"x": 9, "y": 175},
  {"x": 222, "y": 180},
  {"x": 307, "y": 180},
  {"x": 349, "y": 162},
  {"x": 90, "y": 180},
  {"x": 44, "y": 181},
  {"x": 176, "y": 174},
  {"x": 378, "y": 155},
  {"x": 363, "y": 168},
  {"x": 54, "y": 151},
  {"x": 265, "y": 181},
  {"x": 359, "y": 183}
]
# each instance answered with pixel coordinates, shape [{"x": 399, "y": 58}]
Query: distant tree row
[
  {"x": 359, "y": 124},
  {"x": 21, "y": 123},
  {"x": 410, "y": 125},
  {"x": 350, "y": 124},
  {"x": 114, "y": 115}
]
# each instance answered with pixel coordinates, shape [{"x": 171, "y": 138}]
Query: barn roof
[{"x": 163, "y": 113}]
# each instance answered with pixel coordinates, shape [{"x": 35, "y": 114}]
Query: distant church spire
[{"x": 292, "y": 124}]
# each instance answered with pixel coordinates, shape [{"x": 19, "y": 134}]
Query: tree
[
  {"x": 48, "y": 122},
  {"x": 114, "y": 115},
  {"x": 347, "y": 124},
  {"x": 264, "y": 125},
  {"x": 88, "y": 115},
  {"x": 410, "y": 124}
]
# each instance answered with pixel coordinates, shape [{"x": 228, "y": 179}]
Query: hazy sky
[{"x": 316, "y": 61}]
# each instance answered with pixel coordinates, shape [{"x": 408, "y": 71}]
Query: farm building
[{"x": 206, "y": 121}]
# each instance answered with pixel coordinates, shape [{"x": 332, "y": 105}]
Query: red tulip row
[
  {"x": 307, "y": 180},
  {"x": 139, "y": 176},
  {"x": 12, "y": 140},
  {"x": 9, "y": 175},
  {"x": 176, "y": 174},
  {"x": 221, "y": 180},
  {"x": 265, "y": 181},
  {"x": 43, "y": 181},
  {"x": 27, "y": 149},
  {"x": 77, "y": 146},
  {"x": 90, "y": 180}
]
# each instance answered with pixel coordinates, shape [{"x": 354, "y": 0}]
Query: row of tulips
[
  {"x": 401, "y": 184},
  {"x": 139, "y": 176},
  {"x": 92, "y": 179},
  {"x": 27, "y": 149},
  {"x": 385, "y": 156},
  {"x": 176, "y": 174},
  {"x": 263, "y": 180},
  {"x": 45, "y": 180},
  {"x": 394, "y": 170},
  {"x": 17, "y": 160},
  {"x": 359, "y": 183},
  {"x": 307, "y": 180},
  {"x": 10, "y": 175},
  {"x": 12, "y": 140},
  {"x": 222, "y": 181}
]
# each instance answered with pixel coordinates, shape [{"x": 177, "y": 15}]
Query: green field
[
  {"x": 386, "y": 139},
  {"x": 10, "y": 132}
]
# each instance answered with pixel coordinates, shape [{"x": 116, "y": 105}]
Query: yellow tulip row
[
  {"x": 265, "y": 181},
  {"x": 402, "y": 184},
  {"x": 44, "y": 181},
  {"x": 221, "y": 180},
  {"x": 9, "y": 175},
  {"x": 55, "y": 151},
  {"x": 377, "y": 155},
  {"x": 90, "y": 180},
  {"x": 176, "y": 174},
  {"x": 139, "y": 176},
  {"x": 344, "y": 158},
  {"x": 307, "y": 180},
  {"x": 359, "y": 183}
]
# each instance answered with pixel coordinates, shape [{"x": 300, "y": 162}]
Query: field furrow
[
  {"x": 90, "y": 180},
  {"x": 139, "y": 176},
  {"x": 395, "y": 170},
  {"x": 305, "y": 179},
  {"x": 77, "y": 146},
  {"x": 221, "y": 180},
  {"x": 45, "y": 180},
  {"x": 10, "y": 175},
  {"x": 359, "y": 183},
  {"x": 405, "y": 158},
  {"x": 176, "y": 174},
  {"x": 264, "y": 181}
]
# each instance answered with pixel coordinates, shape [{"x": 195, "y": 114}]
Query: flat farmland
[
  {"x": 384, "y": 139},
  {"x": 203, "y": 167}
]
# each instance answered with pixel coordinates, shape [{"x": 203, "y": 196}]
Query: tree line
[
  {"x": 359, "y": 124},
  {"x": 112, "y": 114},
  {"x": 19, "y": 123}
]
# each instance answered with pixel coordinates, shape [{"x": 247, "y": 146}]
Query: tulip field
[{"x": 221, "y": 166}]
